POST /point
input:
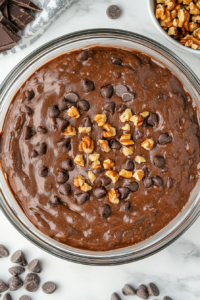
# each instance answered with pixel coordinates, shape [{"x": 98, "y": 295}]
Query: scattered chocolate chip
[
  {"x": 7, "y": 297},
  {"x": 105, "y": 180},
  {"x": 41, "y": 129},
  {"x": 29, "y": 95},
  {"x": 126, "y": 206},
  {"x": 114, "y": 144},
  {"x": 34, "y": 265},
  {"x": 110, "y": 107},
  {"x": 15, "y": 283},
  {"x": 124, "y": 192},
  {"x": 24, "y": 297},
  {"x": 105, "y": 210},
  {"x": 41, "y": 148},
  {"x": 159, "y": 161},
  {"x": 153, "y": 120},
  {"x": 3, "y": 251},
  {"x": 87, "y": 85},
  {"x": 142, "y": 292},
  {"x": 147, "y": 182},
  {"x": 164, "y": 170},
  {"x": 67, "y": 164},
  {"x": 116, "y": 61},
  {"x": 33, "y": 154},
  {"x": 128, "y": 290},
  {"x": 118, "y": 75},
  {"x": 87, "y": 122},
  {"x": 19, "y": 258},
  {"x": 157, "y": 180},
  {"x": 64, "y": 143},
  {"x": 153, "y": 289},
  {"x": 115, "y": 296},
  {"x": 49, "y": 287},
  {"x": 61, "y": 124},
  {"x": 164, "y": 138},
  {"x": 27, "y": 109},
  {"x": 83, "y": 105},
  {"x": 62, "y": 177},
  {"x": 71, "y": 97},
  {"x": 53, "y": 111},
  {"x": 113, "y": 12},
  {"x": 146, "y": 170},
  {"x": 83, "y": 56},
  {"x": 170, "y": 182},
  {"x": 29, "y": 132},
  {"x": 121, "y": 108},
  {"x": 65, "y": 104},
  {"x": 128, "y": 96},
  {"x": 99, "y": 192},
  {"x": 129, "y": 165},
  {"x": 31, "y": 282},
  {"x": 82, "y": 198},
  {"x": 107, "y": 91},
  {"x": 43, "y": 171},
  {"x": 121, "y": 89},
  {"x": 15, "y": 271},
  {"x": 64, "y": 189},
  {"x": 167, "y": 298},
  {"x": 133, "y": 186},
  {"x": 138, "y": 134},
  {"x": 3, "y": 286}
]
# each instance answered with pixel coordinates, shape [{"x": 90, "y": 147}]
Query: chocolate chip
[
  {"x": 15, "y": 283},
  {"x": 110, "y": 107},
  {"x": 113, "y": 12},
  {"x": 24, "y": 297},
  {"x": 157, "y": 180},
  {"x": 27, "y": 109},
  {"x": 170, "y": 182},
  {"x": 115, "y": 296},
  {"x": 105, "y": 180},
  {"x": 64, "y": 189},
  {"x": 62, "y": 177},
  {"x": 153, "y": 120},
  {"x": 142, "y": 292},
  {"x": 16, "y": 271},
  {"x": 29, "y": 132},
  {"x": 3, "y": 286},
  {"x": 64, "y": 143},
  {"x": 153, "y": 289},
  {"x": 41, "y": 148},
  {"x": 129, "y": 165},
  {"x": 128, "y": 290},
  {"x": 31, "y": 282},
  {"x": 99, "y": 192},
  {"x": 41, "y": 129},
  {"x": 164, "y": 138},
  {"x": 126, "y": 206},
  {"x": 61, "y": 124},
  {"x": 71, "y": 97},
  {"x": 67, "y": 164},
  {"x": 146, "y": 170},
  {"x": 3, "y": 251},
  {"x": 164, "y": 170},
  {"x": 167, "y": 298},
  {"x": 114, "y": 144},
  {"x": 82, "y": 56},
  {"x": 159, "y": 161},
  {"x": 43, "y": 171},
  {"x": 105, "y": 210},
  {"x": 29, "y": 95},
  {"x": 83, "y": 105},
  {"x": 147, "y": 182},
  {"x": 138, "y": 134},
  {"x": 118, "y": 75},
  {"x": 19, "y": 258},
  {"x": 107, "y": 91},
  {"x": 128, "y": 96},
  {"x": 34, "y": 266},
  {"x": 121, "y": 89},
  {"x": 87, "y": 85},
  {"x": 33, "y": 154},
  {"x": 53, "y": 111},
  {"x": 133, "y": 186},
  {"x": 116, "y": 61},
  {"x": 121, "y": 108},
  {"x": 7, "y": 297},
  {"x": 82, "y": 198},
  {"x": 65, "y": 104},
  {"x": 49, "y": 287},
  {"x": 87, "y": 122},
  {"x": 124, "y": 192}
]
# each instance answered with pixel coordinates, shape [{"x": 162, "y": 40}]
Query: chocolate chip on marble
[
  {"x": 41, "y": 129},
  {"x": 164, "y": 170},
  {"x": 121, "y": 108},
  {"x": 115, "y": 296},
  {"x": 24, "y": 297},
  {"x": 3, "y": 286},
  {"x": 105, "y": 210},
  {"x": 107, "y": 91},
  {"x": 61, "y": 124},
  {"x": 27, "y": 109},
  {"x": 128, "y": 290},
  {"x": 43, "y": 171},
  {"x": 167, "y": 298},
  {"x": 147, "y": 182},
  {"x": 7, "y": 296},
  {"x": 29, "y": 94},
  {"x": 65, "y": 104},
  {"x": 67, "y": 164},
  {"x": 64, "y": 189},
  {"x": 170, "y": 182},
  {"x": 64, "y": 143},
  {"x": 71, "y": 97},
  {"x": 126, "y": 206},
  {"x": 124, "y": 192},
  {"x": 133, "y": 186},
  {"x": 153, "y": 120},
  {"x": 33, "y": 154},
  {"x": 41, "y": 148},
  {"x": 19, "y": 258},
  {"x": 157, "y": 180},
  {"x": 116, "y": 61},
  {"x": 121, "y": 89},
  {"x": 87, "y": 85},
  {"x": 49, "y": 287},
  {"x": 142, "y": 292},
  {"x": 164, "y": 138},
  {"x": 153, "y": 289},
  {"x": 159, "y": 161},
  {"x": 3, "y": 251},
  {"x": 34, "y": 265},
  {"x": 113, "y": 12},
  {"x": 31, "y": 282},
  {"x": 83, "y": 105},
  {"x": 53, "y": 111},
  {"x": 99, "y": 192},
  {"x": 138, "y": 134},
  {"x": 29, "y": 132},
  {"x": 82, "y": 56},
  {"x": 110, "y": 107},
  {"x": 129, "y": 165},
  {"x": 15, "y": 271},
  {"x": 128, "y": 96},
  {"x": 62, "y": 177},
  {"x": 87, "y": 122},
  {"x": 105, "y": 180},
  {"x": 82, "y": 198},
  {"x": 15, "y": 283},
  {"x": 115, "y": 145}
]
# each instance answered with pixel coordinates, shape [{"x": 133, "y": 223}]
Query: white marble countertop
[{"x": 175, "y": 269}]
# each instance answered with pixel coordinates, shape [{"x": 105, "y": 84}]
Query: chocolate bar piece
[
  {"x": 19, "y": 16},
  {"x": 9, "y": 31},
  {"x": 26, "y": 4},
  {"x": 5, "y": 12},
  {"x": 6, "y": 22},
  {"x": 6, "y": 42},
  {"x": 3, "y": 3}
]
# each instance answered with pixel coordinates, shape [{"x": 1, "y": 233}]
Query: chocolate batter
[{"x": 43, "y": 135}]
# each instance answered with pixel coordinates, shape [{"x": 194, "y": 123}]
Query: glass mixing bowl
[{"x": 23, "y": 71}]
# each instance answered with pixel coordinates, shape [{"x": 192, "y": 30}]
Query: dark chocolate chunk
[
  {"x": 27, "y": 4},
  {"x": 121, "y": 89},
  {"x": 10, "y": 32},
  {"x": 31, "y": 282},
  {"x": 64, "y": 143},
  {"x": 121, "y": 108},
  {"x": 53, "y": 202},
  {"x": 126, "y": 206},
  {"x": 87, "y": 122},
  {"x": 107, "y": 91},
  {"x": 3, "y": 286},
  {"x": 116, "y": 61},
  {"x": 65, "y": 104},
  {"x": 146, "y": 170},
  {"x": 3, "y": 251},
  {"x": 41, "y": 148},
  {"x": 164, "y": 138},
  {"x": 41, "y": 129},
  {"x": 147, "y": 182},
  {"x": 115, "y": 296},
  {"x": 82, "y": 198},
  {"x": 138, "y": 134},
  {"x": 124, "y": 192},
  {"x": 113, "y": 12},
  {"x": 159, "y": 161},
  {"x": 15, "y": 283},
  {"x": 64, "y": 189},
  {"x": 153, "y": 120},
  {"x": 105, "y": 210},
  {"x": 49, "y": 287},
  {"x": 129, "y": 165},
  {"x": 7, "y": 297},
  {"x": 128, "y": 290},
  {"x": 29, "y": 94},
  {"x": 167, "y": 298},
  {"x": 87, "y": 85},
  {"x": 128, "y": 96},
  {"x": 62, "y": 177},
  {"x": 83, "y": 105},
  {"x": 24, "y": 297},
  {"x": 67, "y": 164},
  {"x": 43, "y": 171},
  {"x": 100, "y": 192},
  {"x": 53, "y": 111},
  {"x": 6, "y": 42},
  {"x": 133, "y": 186},
  {"x": 6, "y": 15},
  {"x": 115, "y": 145},
  {"x": 34, "y": 265},
  {"x": 3, "y": 3},
  {"x": 71, "y": 97},
  {"x": 105, "y": 180},
  {"x": 27, "y": 109},
  {"x": 83, "y": 56},
  {"x": 170, "y": 182},
  {"x": 142, "y": 292},
  {"x": 110, "y": 107},
  {"x": 19, "y": 16},
  {"x": 153, "y": 289},
  {"x": 28, "y": 132},
  {"x": 61, "y": 124},
  {"x": 15, "y": 271},
  {"x": 157, "y": 180},
  {"x": 19, "y": 258}
]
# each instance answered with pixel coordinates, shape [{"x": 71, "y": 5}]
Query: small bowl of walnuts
[{"x": 178, "y": 21}]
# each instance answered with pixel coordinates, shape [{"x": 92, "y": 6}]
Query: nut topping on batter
[
  {"x": 70, "y": 131},
  {"x": 138, "y": 175},
  {"x": 140, "y": 159},
  {"x": 108, "y": 164},
  {"x": 84, "y": 129},
  {"x": 114, "y": 196},
  {"x": 91, "y": 176},
  {"x": 125, "y": 140},
  {"x": 126, "y": 174},
  {"x": 137, "y": 120},
  {"x": 128, "y": 150},
  {"x": 148, "y": 144},
  {"x": 79, "y": 180},
  {"x": 100, "y": 119},
  {"x": 104, "y": 145},
  {"x": 126, "y": 116},
  {"x": 112, "y": 175},
  {"x": 79, "y": 160},
  {"x": 87, "y": 145},
  {"x": 110, "y": 131},
  {"x": 73, "y": 112}
]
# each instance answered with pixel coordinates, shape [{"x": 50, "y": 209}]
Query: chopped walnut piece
[
  {"x": 126, "y": 127},
  {"x": 196, "y": 33},
  {"x": 128, "y": 150},
  {"x": 91, "y": 176},
  {"x": 96, "y": 165},
  {"x": 126, "y": 116},
  {"x": 137, "y": 120},
  {"x": 87, "y": 145},
  {"x": 84, "y": 129},
  {"x": 196, "y": 19},
  {"x": 79, "y": 160},
  {"x": 86, "y": 187},
  {"x": 110, "y": 131},
  {"x": 113, "y": 196},
  {"x": 145, "y": 114},
  {"x": 94, "y": 156},
  {"x": 73, "y": 112},
  {"x": 79, "y": 180},
  {"x": 193, "y": 26},
  {"x": 148, "y": 144},
  {"x": 104, "y": 145},
  {"x": 70, "y": 131},
  {"x": 160, "y": 12},
  {"x": 108, "y": 164},
  {"x": 125, "y": 140},
  {"x": 100, "y": 119},
  {"x": 126, "y": 174},
  {"x": 173, "y": 30},
  {"x": 140, "y": 159},
  {"x": 112, "y": 175},
  {"x": 138, "y": 175},
  {"x": 193, "y": 9}
]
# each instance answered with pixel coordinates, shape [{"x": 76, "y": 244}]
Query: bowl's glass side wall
[{"x": 26, "y": 69}]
